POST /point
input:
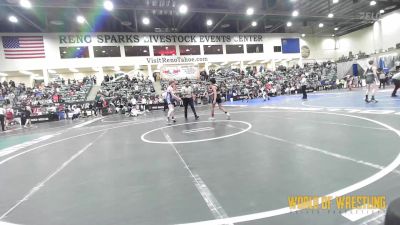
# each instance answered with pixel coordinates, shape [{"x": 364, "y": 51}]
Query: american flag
[{"x": 23, "y": 47}]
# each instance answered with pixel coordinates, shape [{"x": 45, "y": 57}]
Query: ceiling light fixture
[
  {"x": 13, "y": 19},
  {"x": 289, "y": 24},
  {"x": 209, "y": 22},
  {"x": 254, "y": 23},
  {"x": 56, "y": 22},
  {"x": 372, "y": 3},
  {"x": 146, "y": 21},
  {"x": 320, "y": 25},
  {"x": 108, "y": 5},
  {"x": 126, "y": 23},
  {"x": 25, "y": 72},
  {"x": 303, "y": 35},
  {"x": 73, "y": 70},
  {"x": 295, "y": 13},
  {"x": 80, "y": 19},
  {"x": 250, "y": 11},
  {"x": 336, "y": 28},
  {"x": 183, "y": 9},
  {"x": 335, "y": 1},
  {"x": 381, "y": 11},
  {"x": 25, "y": 4},
  {"x": 330, "y": 15}
]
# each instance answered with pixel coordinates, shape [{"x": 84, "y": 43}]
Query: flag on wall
[{"x": 23, "y": 47}]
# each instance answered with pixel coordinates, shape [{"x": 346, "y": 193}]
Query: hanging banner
[
  {"x": 121, "y": 38},
  {"x": 179, "y": 72}
]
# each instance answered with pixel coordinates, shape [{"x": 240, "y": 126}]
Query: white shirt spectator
[
  {"x": 303, "y": 81},
  {"x": 133, "y": 101},
  {"x": 77, "y": 111},
  {"x": 396, "y": 76}
]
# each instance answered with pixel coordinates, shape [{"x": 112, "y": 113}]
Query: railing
[{"x": 90, "y": 89}]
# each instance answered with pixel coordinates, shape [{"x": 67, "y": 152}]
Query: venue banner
[{"x": 179, "y": 72}]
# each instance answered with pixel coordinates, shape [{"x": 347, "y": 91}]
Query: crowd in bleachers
[
  {"x": 129, "y": 95},
  {"x": 18, "y": 100},
  {"x": 252, "y": 82},
  {"x": 122, "y": 91},
  {"x": 133, "y": 95}
]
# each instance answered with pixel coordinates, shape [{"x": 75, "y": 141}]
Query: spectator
[
  {"x": 2, "y": 115},
  {"x": 27, "y": 114},
  {"x": 9, "y": 116},
  {"x": 382, "y": 78},
  {"x": 396, "y": 81},
  {"x": 304, "y": 86},
  {"x": 76, "y": 113}
]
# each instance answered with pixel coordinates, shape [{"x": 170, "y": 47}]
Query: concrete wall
[
  {"x": 321, "y": 48},
  {"x": 383, "y": 34},
  {"x": 20, "y": 79}
]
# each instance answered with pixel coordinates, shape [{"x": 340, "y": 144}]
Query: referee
[
  {"x": 188, "y": 96},
  {"x": 396, "y": 81},
  {"x": 303, "y": 83}
]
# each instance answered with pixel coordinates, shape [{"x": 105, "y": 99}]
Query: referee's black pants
[
  {"x": 186, "y": 103},
  {"x": 2, "y": 122},
  {"x": 304, "y": 90},
  {"x": 396, "y": 86}
]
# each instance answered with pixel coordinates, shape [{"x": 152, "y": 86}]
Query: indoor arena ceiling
[{"x": 227, "y": 16}]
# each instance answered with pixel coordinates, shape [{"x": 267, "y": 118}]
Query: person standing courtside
[
  {"x": 396, "y": 81},
  {"x": 303, "y": 83},
  {"x": 349, "y": 79},
  {"x": 216, "y": 99},
  {"x": 28, "y": 113},
  {"x": 99, "y": 105},
  {"x": 382, "y": 78},
  {"x": 171, "y": 97},
  {"x": 371, "y": 78},
  {"x": 2, "y": 113},
  {"x": 188, "y": 99}
]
